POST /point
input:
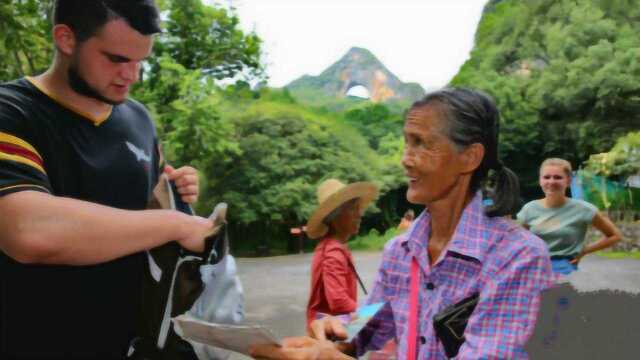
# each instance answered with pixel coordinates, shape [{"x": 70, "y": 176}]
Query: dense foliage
[
  {"x": 565, "y": 74},
  {"x": 24, "y": 37},
  {"x": 622, "y": 161},
  {"x": 208, "y": 39},
  {"x": 285, "y": 150}
]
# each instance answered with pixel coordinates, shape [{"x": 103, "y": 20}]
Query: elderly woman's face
[
  {"x": 431, "y": 161},
  {"x": 348, "y": 220}
]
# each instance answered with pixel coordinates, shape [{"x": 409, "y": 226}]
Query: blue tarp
[{"x": 603, "y": 192}]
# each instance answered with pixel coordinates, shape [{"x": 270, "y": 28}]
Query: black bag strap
[
  {"x": 179, "y": 204},
  {"x": 450, "y": 323},
  {"x": 353, "y": 267}
]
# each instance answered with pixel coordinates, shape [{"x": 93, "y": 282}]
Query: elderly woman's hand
[
  {"x": 329, "y": 327},
  {"x": 315, "y": 346},
  {"x": 300, "y": 348}
]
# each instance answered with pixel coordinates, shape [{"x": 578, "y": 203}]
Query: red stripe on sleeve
[{"x": 20, "y": 151}]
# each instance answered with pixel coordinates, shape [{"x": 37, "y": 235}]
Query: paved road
[{"x": 276, "y": 288}]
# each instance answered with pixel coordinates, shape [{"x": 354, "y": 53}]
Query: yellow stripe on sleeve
[
  {"x": 25, "y": 185},
  {"x": 22, "y": 160},
  {"x": 7, "y": 138}
]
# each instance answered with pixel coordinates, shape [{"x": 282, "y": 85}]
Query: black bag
[
  {"x": 451, "y": 322},
  {"x": 171, "y": 285}
]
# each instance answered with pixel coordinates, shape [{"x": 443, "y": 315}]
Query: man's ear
[
  {"x": 472, "y": 157},
  {"x": 64, "y": 39}
]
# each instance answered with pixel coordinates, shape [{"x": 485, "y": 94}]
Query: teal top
[{"x": 563, "y": 228}]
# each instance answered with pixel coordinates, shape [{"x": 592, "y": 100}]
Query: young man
[{"x": 78, "y": 162}]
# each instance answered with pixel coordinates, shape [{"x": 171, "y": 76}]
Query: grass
[
  {"x": 373, "y": 241},
  {"x": 620, "y": 254}
]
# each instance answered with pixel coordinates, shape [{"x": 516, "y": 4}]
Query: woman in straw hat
[
  {"x": 335, "y": 220},
  {"x": 459, "y": 258}
]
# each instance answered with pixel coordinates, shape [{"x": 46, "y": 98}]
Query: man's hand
[
  {"x": 186, "y": 180},
  {"x": 194, "y": 229},
  {"x": 299, "y": 348}
]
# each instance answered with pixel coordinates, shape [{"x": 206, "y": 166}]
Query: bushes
[{"x": 374, "y": 241}]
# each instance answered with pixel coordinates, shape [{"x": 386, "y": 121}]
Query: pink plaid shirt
[{"x": 507, "y": 265}]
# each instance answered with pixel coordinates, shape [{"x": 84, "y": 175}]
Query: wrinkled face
[
  {"x": 553, "y": 180},
  {"x": 431, "y": 161},
  {"x": 348, "y": 220},
  {"x": 106, "y": 65}
]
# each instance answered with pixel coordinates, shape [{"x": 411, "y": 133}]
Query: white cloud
[{"x": 424, "y": 41}]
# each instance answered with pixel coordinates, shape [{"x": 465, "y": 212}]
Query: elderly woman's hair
[
  {"x": 335, "y": 212},
  {"x": 562, "y": 163},
  {"x": 472, "y": 117}
]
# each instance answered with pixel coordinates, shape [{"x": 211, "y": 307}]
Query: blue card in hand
[{"x": 364, "y": 314}]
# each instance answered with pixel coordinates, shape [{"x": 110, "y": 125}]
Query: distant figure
[
  {"x": 406, "y": 221},
  {"x": 562, "y": 222},
  {"x": 335, "y": 220}
]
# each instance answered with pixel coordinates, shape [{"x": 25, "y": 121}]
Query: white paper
[{"x": 238, "y": 338}]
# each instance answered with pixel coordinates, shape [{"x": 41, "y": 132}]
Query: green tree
[
  {"x": 24, "y": 37},
  {"x": 208, "y": 38},
  {"x": 201, "y": 44},
  {"x": 621, "y": 161},
  {"x": 185, "y": 110},
  {"x": 563, "y": 73},
  {"x": 374, "y": 121},
  {"x": 285, "y": 152}
]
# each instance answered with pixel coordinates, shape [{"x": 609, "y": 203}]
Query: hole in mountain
[{"x": 358, "y": 91}]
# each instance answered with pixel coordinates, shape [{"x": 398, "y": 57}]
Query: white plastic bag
[{"x": 222, "y": 300}]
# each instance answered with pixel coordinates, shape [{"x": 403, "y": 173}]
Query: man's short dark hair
[{"x": 86, "y": 17}]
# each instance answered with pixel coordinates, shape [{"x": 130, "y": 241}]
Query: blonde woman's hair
[{"x": 564, "y": 164}]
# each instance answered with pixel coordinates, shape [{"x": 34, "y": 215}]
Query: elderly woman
[
  {"x": 333, "y": 273},
  {"x": 562, "y": 222},
  {"x": 458, "y": 252}
]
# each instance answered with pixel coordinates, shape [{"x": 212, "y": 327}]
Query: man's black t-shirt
[{"x": 70, "y": 312}]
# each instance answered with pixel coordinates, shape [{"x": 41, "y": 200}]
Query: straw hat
[{"x": 331, "y": 194}]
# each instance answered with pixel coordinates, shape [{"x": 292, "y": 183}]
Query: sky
[{"x": 423, "y": 41}]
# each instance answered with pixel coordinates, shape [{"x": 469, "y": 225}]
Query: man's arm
[{"x": 40, "y": 228}]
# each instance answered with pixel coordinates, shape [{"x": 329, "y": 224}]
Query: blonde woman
[{"x": 562, "y": 222}]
